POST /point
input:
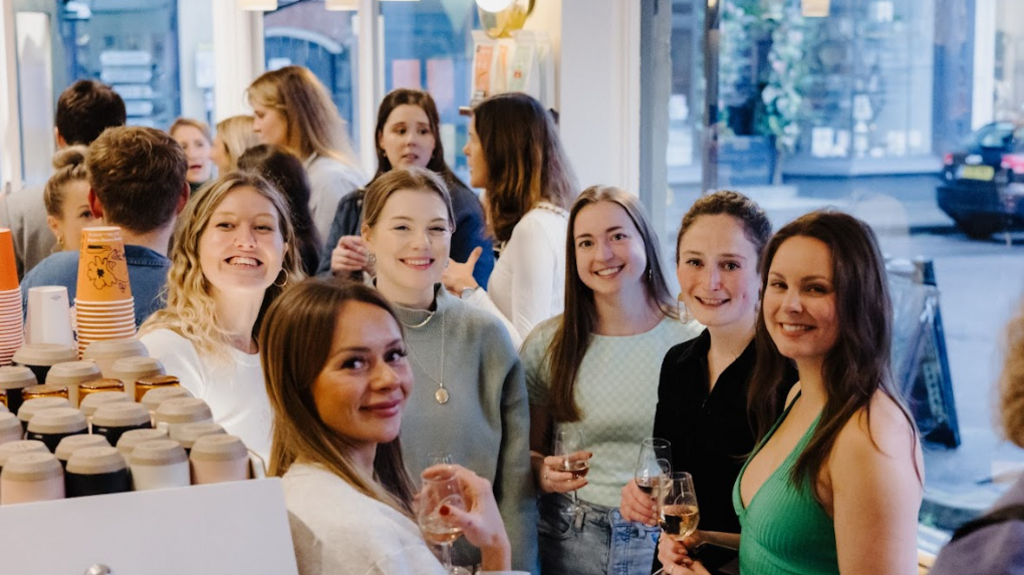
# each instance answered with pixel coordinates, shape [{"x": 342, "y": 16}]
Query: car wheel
[{"x": 978, "y": 229}]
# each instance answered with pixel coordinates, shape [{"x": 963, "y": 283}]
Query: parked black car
[{"x": 983, "y": 184}]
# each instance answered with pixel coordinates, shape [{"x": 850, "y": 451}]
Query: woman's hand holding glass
[
  {"x": 652, "y": 468},
  {"x": 675, "y": 559},
  {"x": 350, "y": 255}
]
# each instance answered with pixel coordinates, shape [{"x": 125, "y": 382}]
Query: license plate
[{"x": 983, "y": 173}]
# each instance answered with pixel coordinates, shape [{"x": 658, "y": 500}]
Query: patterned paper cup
[{"x": 102, "y": 267}]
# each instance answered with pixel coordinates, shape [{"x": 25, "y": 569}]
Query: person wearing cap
[
  {"x": 84, "y": 111},
  {"x": 137, "y": 183}
]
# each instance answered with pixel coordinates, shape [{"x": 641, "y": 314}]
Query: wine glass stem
[{"x": 446, "y": 556}]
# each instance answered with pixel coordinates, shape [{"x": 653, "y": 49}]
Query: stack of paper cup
[
  {"x": 48, "y": 317},
  {"x": 12, "y": 325},
  {"x": 104, "y": 307}
]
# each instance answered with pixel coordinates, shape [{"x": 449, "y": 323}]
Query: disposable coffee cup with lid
[
  {"x": 10, "y": 449},
  {"x": 73, "y": 443},
  {"x": 188, "y": 433},
  {"x": 72, "y": 373},
  {"x": 96, "y": 471},
  {"x": 131, "y": 369},
  {"x": 144, "y": 385},
  {"x": 219, "y": 458},
  {"x": 99, "y": 386},
  {"x": 155, "y": 397},
  {"x": 159, "y": 464},
  {"x": 29, "y": 477},
  {"x": 181, "y": 410},
  {"x": 105, "y": 352},
  {"x": 114, "y": 419},
  {"x": 91, "y": 403},
  {"x": 52, "y": 425},
  {"x": 130, "y": 439},
  {"x": 40, "y": 391},
  {"x": 39, "y": 357},
  {"x": 10, "y": 428},
  {"x": 13, "y": 379},
  {"x": 34, "y": 406}
]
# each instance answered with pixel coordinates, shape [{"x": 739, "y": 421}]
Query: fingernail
[{"x": 444, "y": 511}]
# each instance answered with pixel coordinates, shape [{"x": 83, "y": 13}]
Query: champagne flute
[
  {"x": 677, "y": 506},
  {"x": 653, "y": 462},
  {"x": 569, "y": 442},
  {"x": 441, "y": 488}
]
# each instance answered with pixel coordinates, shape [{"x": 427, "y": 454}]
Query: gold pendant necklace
[{"x": 441, "y": 395}]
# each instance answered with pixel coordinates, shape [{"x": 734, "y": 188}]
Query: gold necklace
[{"x": 441, "y": 395}]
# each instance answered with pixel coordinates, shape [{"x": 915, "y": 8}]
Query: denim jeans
[{"x": 598, "y": 542}]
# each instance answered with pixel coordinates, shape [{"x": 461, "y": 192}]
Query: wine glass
[
  {"x": 677, "y": 506},
  {"x": 653, "y": 463},
  {"x": 440, "y": 488},
  {"x": 569, "y": 445}
]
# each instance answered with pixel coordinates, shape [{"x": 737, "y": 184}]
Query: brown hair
[
  {"x": 314, "y": 125},
  {"x": 1011, "y": 382},
  {"x": 859, "y": 364},
  {"x": 237, "y": 136},
  {"x": 293, "y": 352},
  {"x": 87, "y": 108},
  {"x": 576, "y": 325},
  {"x": 203, "y": 127},
  {"x": 411, "y": 178},
  {"x": 138, "y": 175},
  {"x": 423, "y": 101},
  {"x": 68, "y": 166},
  {"x": 756, "y": 225},
  {"x": 525, "y": 160},
  {"x": 190, "y": 309}
]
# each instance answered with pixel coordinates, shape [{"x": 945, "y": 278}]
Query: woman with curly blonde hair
[{"x": 235, "y": 250}]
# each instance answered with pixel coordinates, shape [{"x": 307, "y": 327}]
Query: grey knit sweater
[{"x": 485, "y": 425}]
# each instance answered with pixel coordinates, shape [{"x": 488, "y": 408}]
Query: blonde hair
[
  {"x": 191, "y": 310},
  {"x": 69, "y": 166},
  {"x": 1011, "y": 382},
  {"x": 203, "y": 127},
  {"x": 312, "y": 120},
  {"x": 295, "y": 345},
  {"x": 237, "y": 135}
]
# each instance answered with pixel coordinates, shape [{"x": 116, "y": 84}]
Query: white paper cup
[
  {"x": 159, "y": 464},
  {"x": 48, "y": 318},
  {"x": 219, "y": 458}
]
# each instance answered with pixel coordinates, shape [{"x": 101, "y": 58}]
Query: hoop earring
[
  {"x": 683, "y": 313},
  {"x": 284, "y": 283},
  {"x": 371, "y": 260}
]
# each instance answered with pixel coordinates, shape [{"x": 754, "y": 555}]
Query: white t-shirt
[
  {"x": 329, "y": 181},
  {"x": 337, "y": 530},
  {"x": 527, "y": 285},
  {"x": 233, "y": 387}
]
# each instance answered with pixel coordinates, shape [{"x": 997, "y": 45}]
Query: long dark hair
[
  {"x": 576, "y": 327},
  {"x": 859, "y": 364},
  {"x": 293, "y": 352},
  {"x": 423, "y": 101},
  {"x": 525, "y": 160},
  {"x": 286, "y": 173}
]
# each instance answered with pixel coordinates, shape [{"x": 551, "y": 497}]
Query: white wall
[
  {"x": 599, "y": 90},
  {"x": 983, "y": 105},
  {"x": 238, "y": 53}
]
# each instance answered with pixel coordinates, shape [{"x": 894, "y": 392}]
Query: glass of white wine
[
  {"x": 677, "y": 506},
  {"x": 570, "y": 445},
  {"x": 441, "y": 488}
]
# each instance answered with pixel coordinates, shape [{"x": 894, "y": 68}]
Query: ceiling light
[
  {"x": 493, "y": 5},
  {"x": 258, "y": 5}
]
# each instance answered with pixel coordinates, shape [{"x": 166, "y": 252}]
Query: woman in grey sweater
[{"x": 470, "y": 400}]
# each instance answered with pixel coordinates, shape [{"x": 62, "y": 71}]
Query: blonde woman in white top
[{"x": 514, "y": 154}]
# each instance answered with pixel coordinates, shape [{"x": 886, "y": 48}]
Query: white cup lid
[
  {"x": 158, "y": 452},
  {"x": 129, "y": 369},
  {"x": 96, "y": 460},
  {"x": 73, "y": 372},
  {"x": 12, "y": 448},
  {"x": 119, "y": 414},
  {"x": 155, "y": 397},
  {"x": 183, "y": 410},
  {"x": 188, "y": 433},
  {"x": 73, "y": 443},
  {"x": 58, "y": 420},
  {"x": 32, "y": 467},
  {"x": 44, "y": 354},
  {"x": 131, "y": 438},
  {"x": 16, "y": 377},
  {"x": 9, "y": 421},
  {"x": 218, "y": 448},
  {"x": 34, "y": 406},
  {"x": 115, "y": 348},
  {"x": 93, "y": 401}
]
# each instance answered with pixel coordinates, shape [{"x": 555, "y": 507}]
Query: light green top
[
  {"x": 785, "y": 531},
  {"x": 617, "y": 392}
]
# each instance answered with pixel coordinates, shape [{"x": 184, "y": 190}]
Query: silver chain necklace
[{"x": 441, "y": 395}]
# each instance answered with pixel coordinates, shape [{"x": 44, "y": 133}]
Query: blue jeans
[{"x": 598, "y": 542}]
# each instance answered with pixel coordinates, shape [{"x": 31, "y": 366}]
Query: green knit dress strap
[{"x": 785, "y": 531}]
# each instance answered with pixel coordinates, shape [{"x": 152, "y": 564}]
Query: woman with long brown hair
[
  {"x": 595, "y": 368},
  {"x": 515, "y": 154},
  {"x": 834, "y": 484}
]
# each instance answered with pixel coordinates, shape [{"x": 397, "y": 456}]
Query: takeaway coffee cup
[
  {"x": 96, "y": 471},
  {"x": 52, "y": 425},
  {"x": 73, "y": 443},
  {"x": 97, "y": 386},
  {"x": 219, "y": 458},
  {"x": 131, "y": 439},
  {"x": 35, "y": 405},
  {"x": 144, "y": 385},
  {"x": 131, "y": 369},
  {"x": 41, "y": 391},
  {"x": 91, "y": 403},
  {"x": 179, "y": 411},
  {"x": 155, "y": 397},
  {"x": 13, "y": 379},
  {"x": 114, "y": 419},
  {"x": 29, "y": 477},
  {"x": 9, "y": 450},
  {"x": 188, "y": 433},
  {"x": 71, "y": 374},
  {"x": 159, "y": 464},
  {"x": 40, "y": 357},
  {"x": 10, "y": 428},
  {"x": 106, "y": 352}
]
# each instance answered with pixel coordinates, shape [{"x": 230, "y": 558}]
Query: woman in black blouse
[{"x": 702, "y": 395}]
